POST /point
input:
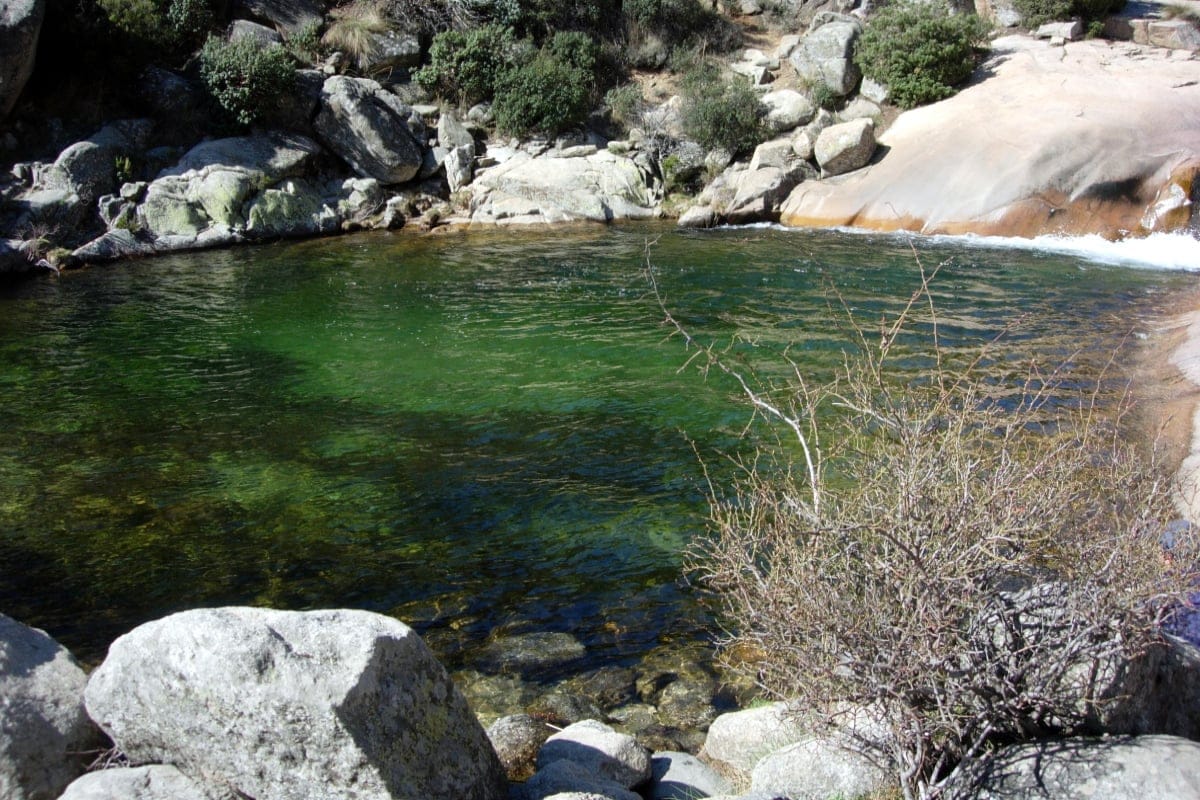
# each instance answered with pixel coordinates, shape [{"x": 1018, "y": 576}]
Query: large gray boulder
[
  {"x": 845, "y": 147},
  {"x": 370, "y": 129},
  {"x": 826, "y": 56},
  {"x": 682, "y": 776},
  {"x": 155, "y": 782},
  {"x": 787, "y": 109},
  {"x": 1141, "y": 768},
  {"x": 45, "y": 734},
  {"x": 739, "y": 739},
  {"x": 88, "y": 169},
  {"x": 264, "y": 703},
  {"x": 816, "y": 768},
  {"x": 20, "y": 26},
  {"x": 597, "y": 188}
]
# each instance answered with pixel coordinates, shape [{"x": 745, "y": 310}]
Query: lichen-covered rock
[
  {"x": 45, "y": 734},
  {"x": 155, "y": 782},
  {"x": 787, "y": 109},
  {"x": 516, "y": 740},
  {"x": 601, "y": 750},
  {"x": 88, "y": 168},
  {"x": 826, "y": 55},
  {"x": 370, "y": 129},
  {"x": 845, "y": 147},
  {"x": 266, "y": 703},
  {"x": 20, "y": 27},
  {"x": 294, "y": 208}
]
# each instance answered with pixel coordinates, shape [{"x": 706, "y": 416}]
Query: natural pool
[{"x": 477, "y": 433}]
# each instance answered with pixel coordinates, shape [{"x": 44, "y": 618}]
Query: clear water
[{"x": 475, "y": 433}]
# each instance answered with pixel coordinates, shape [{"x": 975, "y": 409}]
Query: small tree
[
  {"x": 245, "y": 78},
  {"x": 920, "y": 50},
  {"x": 720, "y": 111},
  {"x": 466, "y": 65},
  {"x": 956, "y": 555}
]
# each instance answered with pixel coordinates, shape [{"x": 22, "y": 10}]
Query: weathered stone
[
  {"x": 787, "y": 109},
  {"x": 293, "y": 208},
  {"x": 687, "y": 703},
  {"x": 760, "y": 192},
  {"x": 682, "y": 776},
  {"x": 20, "y": 27},
  {"x": 1082, "y": 769},
  {"x": 460, "y": 167},
  {"x": 701, "y": 216},
  {"x": 601, "y": 750},
  {"x": 390, "y": 49},
  {"x": 274, "y": 156},
  {"x": 173, "y": 98},
  {"x": 826, "y": 56},
  {"x": 244, "y": 29},
  {"x": 564, "y": 707},
  {"x": 279, "y": 702},
  {"x": 533, "y": 651},
  {"x": 491, "y": 696},
  {"x": 845, "y": 147},
  {"x": 88, "y": 168},
  {"x": 516, "y": 740},
  {"x": 607, "y": 687},
  {"x": 758, "y": 75},
  {"x": 787, "y": 45},
  {"x": 156, "y": 782},
  {"x": 739, "y": 739},
  {"x": 875, "y": 91},
  {"x": 369, "y": 128},
  {"x": 288, "y": 15},
  {"x": 45, "y": 734},
  {"x": 573, "y": 779},
  {"x": 775, "y": 153},
  {"x": 452, "y": 133},
  {"x": 114, "y": 245},
  {"x": 1068, "y": 30},
  {"x": 860, "y": 108},
  {"x": 1177, "y": 34},
  {"x": 169, "y": 211},
  {"x": 816, "y": 768},
  {"x": 14, "y": 260}
]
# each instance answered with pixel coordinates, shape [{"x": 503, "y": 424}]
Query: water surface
[{"x": 479, "y": 434}]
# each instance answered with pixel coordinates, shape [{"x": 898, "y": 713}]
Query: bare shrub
[{"x": 964, "y": 555}]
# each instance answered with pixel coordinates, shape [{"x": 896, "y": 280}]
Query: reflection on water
[{"x": 474, "y": 433}]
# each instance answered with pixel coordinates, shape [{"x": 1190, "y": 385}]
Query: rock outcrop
[
  {"x": 1097, "y": 137},
  {"x": 20, "y": 27},
  {"x": 826, "y": 55},
  {"x": 371, "y": 129},
  {"x": 263, "y": 703},
  {"x": 45, "y": 735}
]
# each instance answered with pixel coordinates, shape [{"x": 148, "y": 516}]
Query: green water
[{"x": 475, "y": 433}]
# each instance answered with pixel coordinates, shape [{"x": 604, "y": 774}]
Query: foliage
[
  {"x": 920, "y": 50},
  {"x": 465, "y": 66},
  {"x": 626, "y": 103},
  {"x": 165, "y": 25},
  {"x": 548, "y": 94},
  {"x": 354, "y": 28},
  {"x": 675, "y": 21},
  {"x": 1038, "y": 12},
  {"x": 244, "y": 78},
  {"x": 720, "y": 111},
  {"x": 431, "y": 16},
  {"x": 305, "y": 43},
  {"x": 958, "y": 558}
]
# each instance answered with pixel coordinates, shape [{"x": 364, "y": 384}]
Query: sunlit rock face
[{"x": 1097, "y": 137}]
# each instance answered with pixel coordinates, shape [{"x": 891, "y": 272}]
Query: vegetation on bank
[{"x": 946, "y": 565}]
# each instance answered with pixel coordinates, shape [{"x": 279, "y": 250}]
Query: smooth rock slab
[
  {"x": 271, "y": 704},
  {"x": 156, "y": 782},
  {"x": 45, "y": 734},
  {"x": 1142, "y": 768}
]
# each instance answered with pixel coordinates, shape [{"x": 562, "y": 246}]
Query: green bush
[
  {"x": 547, "y": 94},
  {"x": 466, "y": 66},
  {"x": 920, "y": 51},
  {"x": 161, "y": 24},
  {"x": 245, "y": 78},
  {"x": 626, "y": 103},
  {"x": 1037, "y": 12},
  {"x": 721, "y": 112}
]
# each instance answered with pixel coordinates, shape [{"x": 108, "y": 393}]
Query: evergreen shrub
[
  {"x": 920, "y": 50},
  {"x": 465, "y": 66},
  {"x": 245, "y": 78},
  {"x": 721, "y": 112}
]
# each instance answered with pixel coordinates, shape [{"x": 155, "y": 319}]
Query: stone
[
  {"x": 686, "y": 703},
  {"x": 803, "y": 143},
  {"x": 171, "y": 97},
  {"x": 787, "y": 109},
  {"x": 739, "y": 739},
  {"x": 651, "y": 52},
  {"x": 534, "y": 651},
  {"x": 564, "y": 707},
  {"x": 816, "y": 768},
  {"x": 14, "y": 260},
  {"x": 45, "y": 734},
  {"x": 701, "y": 216},
  {"x": 607, "y": 687},
  {"x": 601, "y": 750},
  {"x": 452, "y": 133},
  {"x": 516, "y": 740},
  {"x": 491, "y": 696},
  {"x": 757, "y": 74},
  {"x": 369, "y": 128},
  {"x": 682, "y": 776},
  {"x": 293, "y": 208},
  {"x": 390, "y": 49},
  {"x": 271, "y": 157},
  {"x": 874, "y": 91},
  {"x": 271, "y": 703},
  {"x": 860, "y": 108},
  {"x": 88, "y": 168},
  {"x": 114, "y": 245},
  {"x": 568, "y": 777},
  {"x": 1176, "y": 34},
  {"x": 845, "y": 147},
  {"x": 787, "y": 45},
  {"x": 460, "y": 167},
  {"x": 826, "y": 55},
  {"x": 759, "y": 194},
  {"x": 288, "y": 15},
  {"x": 775, "y": 153},
  {"x": 20, "y": 27},
  {"x": 1078, "y": 769},
  {"x": 1067, "y": 30},
  {"x": 244, "y": 29},
  {"x": 155, "y": 782}
]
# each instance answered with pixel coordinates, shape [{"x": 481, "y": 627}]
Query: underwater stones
[
  {"x": 271, "y": 703},
  {"x": 532, "y": 652}
]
